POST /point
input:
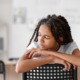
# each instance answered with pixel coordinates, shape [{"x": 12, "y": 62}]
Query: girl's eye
[{"x": 47, "y": 37}]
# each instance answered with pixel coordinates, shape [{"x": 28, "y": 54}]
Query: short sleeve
[
  {"x": 33, "y": 45},
  {"x": 69, "y": 48}
]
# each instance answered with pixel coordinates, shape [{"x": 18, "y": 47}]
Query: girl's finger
[
  {"x": 35, "y": 53},
  {"x": 74, "y": 66},
  {"x": 31, "y": 53},
  {"x": 65, "y": 66},
  {"x": 69, "y": 65},
  {"x": 27, "y": 52}
]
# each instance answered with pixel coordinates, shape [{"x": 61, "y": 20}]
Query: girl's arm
[
  {"x": 74, "y": 58},
  {"x": 25, "y": 64}
]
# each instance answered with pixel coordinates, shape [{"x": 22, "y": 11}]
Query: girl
[{"x": 51, "y": 42}]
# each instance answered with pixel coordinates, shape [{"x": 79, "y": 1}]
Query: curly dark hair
[{"x": 59, "y": 28}]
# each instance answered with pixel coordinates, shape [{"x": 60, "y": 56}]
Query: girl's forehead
[{"x": 45, "y": 29}]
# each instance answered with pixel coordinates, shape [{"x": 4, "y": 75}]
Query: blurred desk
[
  {"x": 8, "y": 62},
  {"x": 10, "y": 70}
]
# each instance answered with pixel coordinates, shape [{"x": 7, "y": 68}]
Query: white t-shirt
[{"x": 68, "y": 48}]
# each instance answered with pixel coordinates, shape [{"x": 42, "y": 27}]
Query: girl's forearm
[
  {"x": 28, "y": 64},
  {"x": 70, "y": 58}
]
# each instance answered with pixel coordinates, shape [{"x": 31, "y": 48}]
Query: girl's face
[{"x": 46, "y": 40}]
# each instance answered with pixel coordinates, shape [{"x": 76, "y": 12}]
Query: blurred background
[{"x": 18, "y": 19}]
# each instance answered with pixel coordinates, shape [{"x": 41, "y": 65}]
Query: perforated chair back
[
  {"x": 50, "y": 72},
  {"x": 2, "y": 69}
]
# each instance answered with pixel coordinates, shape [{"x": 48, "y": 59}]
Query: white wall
[
  {"x": 5, "y": 17},
  {"x": 19, "y": 34}
]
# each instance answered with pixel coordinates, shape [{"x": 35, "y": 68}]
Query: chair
[
  {"x": 2, "y": 68},
  {"x": 50, "y": 72}
]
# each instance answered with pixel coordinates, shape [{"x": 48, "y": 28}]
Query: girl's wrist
[
  {"x": 50, "y": 58},
  {"x": 57, "y": 60}
]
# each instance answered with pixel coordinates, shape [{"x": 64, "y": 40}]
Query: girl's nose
[{"x": 40, "y": 40}]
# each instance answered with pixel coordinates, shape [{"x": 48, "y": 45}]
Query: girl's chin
[{"x": 42, "y": 48}]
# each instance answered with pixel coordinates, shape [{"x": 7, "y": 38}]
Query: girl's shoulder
[
  {"x": 33, "y": 45},
  {"x": 71, "y": 45},
  {"x": 68, "y": 48}
]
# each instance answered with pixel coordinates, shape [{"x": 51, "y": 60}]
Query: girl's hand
[
  {"x": 66, "y": 64},
  {"x": 36, "y": 52}
]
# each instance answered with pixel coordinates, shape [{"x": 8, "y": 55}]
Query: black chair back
[{"x": 50, "y": 72}]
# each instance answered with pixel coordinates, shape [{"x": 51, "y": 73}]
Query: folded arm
[
  {"x": 25, "y": 64},
  {"x": 74, "y": 58}
]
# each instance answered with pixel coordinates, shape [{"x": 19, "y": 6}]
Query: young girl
[{"x": 51, "y": 43}]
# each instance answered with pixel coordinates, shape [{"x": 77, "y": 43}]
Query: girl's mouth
[{"x": 41, "y": 46}]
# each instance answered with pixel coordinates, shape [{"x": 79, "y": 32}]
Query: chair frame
[{"x": 2, "y": 69}]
